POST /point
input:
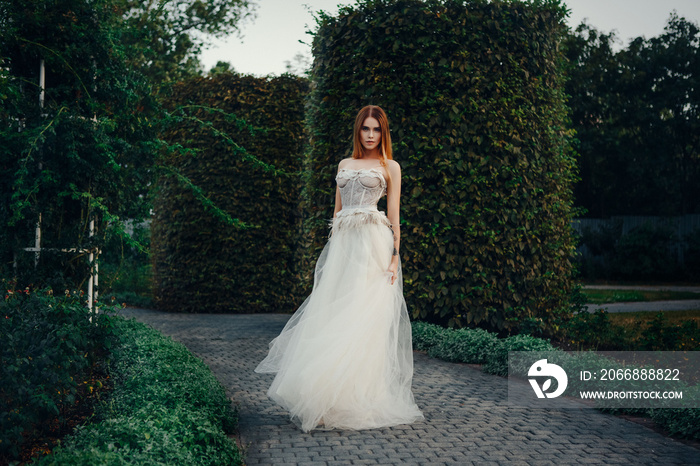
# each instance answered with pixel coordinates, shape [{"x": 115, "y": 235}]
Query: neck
[{"x": 372, "y": 154}]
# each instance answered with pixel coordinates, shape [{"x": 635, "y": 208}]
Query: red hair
[{"x": 372, "y": 111}]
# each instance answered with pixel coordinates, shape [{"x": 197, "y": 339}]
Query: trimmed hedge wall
[
  {"x": 246, "y": 161},
  {"x": 474, "y": 94}
]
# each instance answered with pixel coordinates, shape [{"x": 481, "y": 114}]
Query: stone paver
[{"x": 467, "y": 418}]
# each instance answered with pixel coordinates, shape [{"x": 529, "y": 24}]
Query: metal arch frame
[{"x": 93, "y": 280}]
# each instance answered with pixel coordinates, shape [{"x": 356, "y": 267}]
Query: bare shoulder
[
  {"x": 343, "y": 163},
  {"x": 393, "y": 167}
]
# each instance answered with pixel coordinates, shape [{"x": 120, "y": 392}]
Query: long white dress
[{"x": 345, "y": 357}]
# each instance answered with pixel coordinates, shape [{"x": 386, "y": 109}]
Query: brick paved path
[{"x": 467, "y": 420}]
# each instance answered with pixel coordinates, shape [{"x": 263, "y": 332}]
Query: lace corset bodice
[{"x": 360, "y": 188}]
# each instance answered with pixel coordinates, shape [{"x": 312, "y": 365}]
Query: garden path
[{"x": 467, "y": 419}]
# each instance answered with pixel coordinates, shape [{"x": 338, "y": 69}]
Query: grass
[
  {"x": 636, "y": 320},
  {"x": 628, "y": 296}
]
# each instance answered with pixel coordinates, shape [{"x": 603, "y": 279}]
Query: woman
[{"x": 344, "y": 360}]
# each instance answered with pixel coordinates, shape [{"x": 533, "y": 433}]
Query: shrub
[
  {"x": 659, "y": 335},
  {"x": 244, "y": 139},
  {"x": 679, "y": 422},
  {"x": 50, "y": 351},
  {"x": 166, "y": 408},
  {"x": 427, "y": 335},
  {"x": 596, "y": 330},
  {"x": 466, "y": 345},
  {"x": 475, "y": 97},
  {"x": 644, "y": 253},
  {"x": 497, "y": 358}
]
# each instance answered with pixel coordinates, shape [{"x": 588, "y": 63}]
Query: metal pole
[
  {"x": 37, "y": 233},
  {"x": 91, "y": 280},
  {"x": 37, "y": 241},
  {"x": 42, "y": 82}
]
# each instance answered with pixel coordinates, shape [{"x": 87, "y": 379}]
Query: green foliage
[
  {"x": 497, "y": 359},
  {"x": 154, "y": 415},
  {"x": 601, "y": 296},
  {"x": 240, "y": 144},
  {"x": 466, "y": 345},
  {"x": 597, "y": 331},
  {"x": 679, "y": 422},
  {"x": 125, "y": 267},
  {"x": 659, "y": 335},
  {"x": 476, "y": 346},
  {"x": 473, "y": 346},
  {"x": 87, "y": 154},
  {"x": 637, "y": 122},
  {"x": 50, "y": 350},
  {"x": 642, "y": 253},
  {"x": 167, "y": 36},
  {"x": 426, "y": 335},
  {"x": 474, "y": 92}
]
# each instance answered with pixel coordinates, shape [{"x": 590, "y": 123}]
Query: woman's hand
[{"x": 393, "y": 270}]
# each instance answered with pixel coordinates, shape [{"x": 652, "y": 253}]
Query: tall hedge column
[
  {"x": 473, "y": 90},
  {"x": 200, "y": 263}
]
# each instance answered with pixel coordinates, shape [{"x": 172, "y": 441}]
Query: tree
[
  {"x": 636, "y": 116},
  {"x": 87, "y": 153},
  {"x": 168, "y": 35}
]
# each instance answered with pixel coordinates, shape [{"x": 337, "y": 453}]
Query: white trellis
[{"x": 93, "y": 253}]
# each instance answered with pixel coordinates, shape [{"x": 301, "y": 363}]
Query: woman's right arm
[{"x": 338, "y": 202}]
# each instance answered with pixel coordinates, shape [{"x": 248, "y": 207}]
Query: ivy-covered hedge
[
  {"x": 243, "y": 157},
  {"x": 473, "y": 90}
]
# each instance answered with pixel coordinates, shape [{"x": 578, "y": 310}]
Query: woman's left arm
[{"x": 393, "y": 201}]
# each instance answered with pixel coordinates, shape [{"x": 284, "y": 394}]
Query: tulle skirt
[{"x": 345, "y": 357}]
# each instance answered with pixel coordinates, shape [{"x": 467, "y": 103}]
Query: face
[{"x": 370, "y": 134}]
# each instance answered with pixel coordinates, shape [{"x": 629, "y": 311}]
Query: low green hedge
[
  {"x": 477, "y": 346},
  {"x": 50, "y": 356},
  {"x": 166, "y": 408}
]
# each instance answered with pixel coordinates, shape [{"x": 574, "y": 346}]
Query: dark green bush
[
  {"x": 166, "y": 408},
  {"x": 244, "y": 155},
  {"x": 466, "y": 345},
  {"x": 426, "y": 335},
  {"x": 679, "y": 422},
  {"x": 659, "y": 335},
  {"x": 478, "y": 346},
  {"x": 645, "y": 253},
  {"x": 497, "y": 359},
  {"x": 474, "y": 93},
  {"x": 596, "y": 330},
  {"x": 50, "y": 349},
  {"x": 125, "y": 266}
]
